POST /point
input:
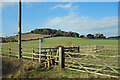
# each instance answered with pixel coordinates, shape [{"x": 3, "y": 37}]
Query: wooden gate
[{"x": 90, "y": 63}]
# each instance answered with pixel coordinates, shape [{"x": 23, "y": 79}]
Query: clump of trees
[
  {"x": 55, "y": 33},
  {"x": 96, "y": 36}
]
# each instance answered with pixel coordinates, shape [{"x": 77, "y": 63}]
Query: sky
[{"x": 80, "y": 17}]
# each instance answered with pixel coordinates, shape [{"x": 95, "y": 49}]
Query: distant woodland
[{"x": 55, "y": 33}]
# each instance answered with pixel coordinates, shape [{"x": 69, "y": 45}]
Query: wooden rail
[{"x": 74, "y": 63}]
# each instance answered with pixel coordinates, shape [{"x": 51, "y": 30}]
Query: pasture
[{"x": 110, "y": 46}]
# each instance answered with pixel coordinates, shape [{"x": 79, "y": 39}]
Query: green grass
[
  {"x": 77, "y": 41},
  {"x": 55, "y": 41},
  {"x": 110, "y": 46}
]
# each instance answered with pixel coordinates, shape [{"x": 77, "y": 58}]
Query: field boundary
[{"x": 61, "y": 56}]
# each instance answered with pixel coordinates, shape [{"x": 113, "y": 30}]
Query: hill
[
  {"x": 25, "y": 37},
  {"x": 40, "y": 33},
  {"x": 114, "y": 37},
  {"x": 31, "y": 36}
]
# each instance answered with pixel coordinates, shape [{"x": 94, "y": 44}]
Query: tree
[
  {"x": 82, "y": 36},
  {"x": 59, "y": 33},
  {"x": 99, "y": 36},
  {"x": 90, "y": 36}
]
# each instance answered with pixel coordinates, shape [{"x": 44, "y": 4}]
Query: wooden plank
[
  {"x": 44, "y": 48},
  {"x": 57, "y": 61},
  {"x": 93, "y": 72},
  {"x": 56, "y": 56},
  {"x": 89, "y": 64},
  {"x": 27, "y": 53},
  {"x": 89, "y": 68},
  {"x": 70, "y": 47},
  {"x": 14, "y": 55},
  {"x": 104, "y": 63},
  {"x": 8, "y": 54},
  {"x": 27, "y": 57},
  {"x": 79, "y": 59},
  {"x": 91, "y": 54}
]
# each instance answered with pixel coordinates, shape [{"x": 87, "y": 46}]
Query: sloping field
[
  {"x": 57, "y": 41},
  {"x": 30, "y": 36}
]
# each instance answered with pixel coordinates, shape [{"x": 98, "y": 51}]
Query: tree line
[
  {"x": 96, "y": 36},
  {"x": 56, "y": 33}
]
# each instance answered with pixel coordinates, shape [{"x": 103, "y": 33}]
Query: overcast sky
[{"x": 81, "y": 17}]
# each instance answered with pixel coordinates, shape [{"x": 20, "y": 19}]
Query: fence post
[
  {"x": 50, "y": 54},
  {"x": 57, "y": 54},
  {"x": 33, "y": 51},
  {"x": 48, "y": 63},
  {"x": 10, "y": 52},
  {"x": 61, "y": 57},
  {"x": 78, "y": 49}
]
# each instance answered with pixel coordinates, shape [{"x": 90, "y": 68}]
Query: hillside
[
  {"x": 114, "y": 37},
  {"x": 40, "y": 33},
  {"x": 24, "y": 37},
  {"x": 29, "y": 36}
]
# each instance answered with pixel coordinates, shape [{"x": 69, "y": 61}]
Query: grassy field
[
  {"x": 110, "y": 48},
  {"x": 76, "y": 41}
]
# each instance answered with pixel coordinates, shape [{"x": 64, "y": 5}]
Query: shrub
[{"x": 69, "y": 43}]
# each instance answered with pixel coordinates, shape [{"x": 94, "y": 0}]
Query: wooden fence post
[
  {"x": 48, "y": 63},
  {"x": 57, "y": 54},
  {"x": 47, "y": 55},
  {"x": 10, "y": 52},
  {"x": 61, "y": 57},
  {"x": 78, "y": 49},
  {"x": 50, "y": 54},
  {"x": 33, "y": 51},
  {"x": 45, "y": 64}
]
